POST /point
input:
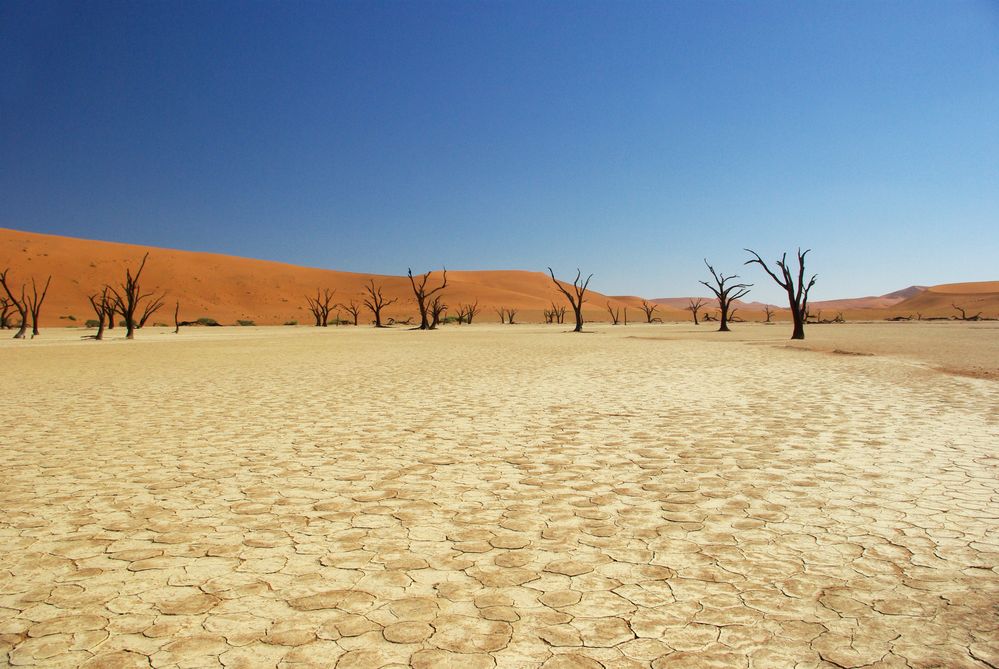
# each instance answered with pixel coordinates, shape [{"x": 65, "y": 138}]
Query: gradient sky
[{"x": 628, "y": 138}]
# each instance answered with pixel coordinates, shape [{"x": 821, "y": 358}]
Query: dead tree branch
[
  {"x": 375, "y": 301},
  {"x": 20, "y": 305},
  {"x": 576, "y": 297},
  {"x": 725, "y": 293},
  {"x": 694, "y": 306},
  {"x": 797, "y": 291},
  {"x": 423, "y": 295}
]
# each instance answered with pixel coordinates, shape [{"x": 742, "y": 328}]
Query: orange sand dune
[
  {"x": 967, "y": 288},
  {"x": 229, "y": 288},
  {"x": 981, "y": 296}
]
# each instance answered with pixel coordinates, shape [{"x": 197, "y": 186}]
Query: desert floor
[{"x": 510, "y": 496}]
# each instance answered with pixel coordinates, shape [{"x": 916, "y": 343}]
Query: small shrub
[
  {"x": 244, "y": 323},
  {"x": 291, "y": 323},
  {"x": 71, "y": 317},
  {"x": 204, "y": 320},
  {"x": 91, "y": 323}
]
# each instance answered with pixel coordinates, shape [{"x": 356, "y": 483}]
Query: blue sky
[{"x": 631, "y": 139}]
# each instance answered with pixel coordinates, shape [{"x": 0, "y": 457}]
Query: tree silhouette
[
  {"x": 769, "y": 312},
  {"x": 437, "y": 309},
  {"x": 576, "y": 297},
  {"x": 694, "y": 307},
  {"x": 375, "y": 301},
  {"x": 321, "y": 305},
  {"x": 152, "y": 306},
  {"x": 352, "y": 308},
  {"x": 725, "y": 293},
  {"x": 650, "y": 310},
  {"x": 965, "y": 316},
  {"x": 797, "y": 291},
  {"x": 615, "y": 314},
  {"x": 466, "y": 312},
  {"x": 128, "y": 297},
  {"x": 35, "y": 303},
  {"x": 558, "y": 313},
  {"x": 423, "y": 295},
  {"x": 20, "y": 304},
  {"x": 100, "y": 306},
  {"x": 5, "y": 306}
]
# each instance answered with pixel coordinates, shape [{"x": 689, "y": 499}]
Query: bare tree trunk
[
  {"x": 35, "y": 304},
  {"x": 510, "y": 315},
  {"x": 577, "y": 297},
  {"x": 100, "y": 308},
  {"x": 352, "y": 308},
  {"x": 20, "y": 305},
  {"x": 437, "y": 308},
  {"x": 965, "y": 316},
  {"x": 615, "y": 315},
  {"x": 423, "y": 295},
  {"x": 694, "y": 307},
  {"x": 151, "y": 308},
  {"x": 375, "y": 301},
  {"x": 130, "y": 298},
  {"x": 176, "y": 318},
  {"x": 5, "y": 307},
  {"x": 650, "y": 310},
  {"x": 797, "y": 291},
  {"x": 725, "y": 293}
]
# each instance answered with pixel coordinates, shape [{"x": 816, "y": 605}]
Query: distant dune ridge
[{"x": 229, "y": 288}]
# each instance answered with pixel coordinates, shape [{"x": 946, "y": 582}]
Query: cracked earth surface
[{"x": 492, "y": 497}]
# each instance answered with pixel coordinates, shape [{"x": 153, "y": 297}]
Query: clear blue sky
[{"x": 628, "y": 138}]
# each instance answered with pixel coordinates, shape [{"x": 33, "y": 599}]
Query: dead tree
[
  {"x": 614, "y": 314},
  {"x": 151, "y": 308},
  {"x": 725, "y": 293},
  {"x": 176, "y": 318},
  {"x": 626, "y": 315},
  {"x": 558, "y": 313},
  {"x": 101, "y": 310},
  {"x": 352, "y": 308},
  {"x": 20, "y": 305},
  {"x": 510, "y": 315},
  {"x": 650, "y": 310},
  {"x": 375, "y": 301},
  {"x": 128, "y": 297},
  {"x": 965, "y": 316},
  {"x": 501, "y": 312},
  {"x": 423, "y": 295},
  {"x": 112, "y": 310},
  {"x": 437, "y": 309},
  {"x": 466, "y": 312},
  {"x": 576, "y": 297},
  {"x": 797, "y": 291},
  {"x": 732, "y": 318},
  {"x": 768, "y": 311},
  {"x": 549, "y": 316},
  {"x": 321, "y": 305},
  {"x": 5, "y": 307},
  {"x": 35, "y": 303},
  {"x": 694, "y": 307}
]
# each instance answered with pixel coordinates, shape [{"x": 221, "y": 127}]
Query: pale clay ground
[{"x": 509, "y": 496}]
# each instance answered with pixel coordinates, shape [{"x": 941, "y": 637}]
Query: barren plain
[{"x": 508, "y": 496}]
